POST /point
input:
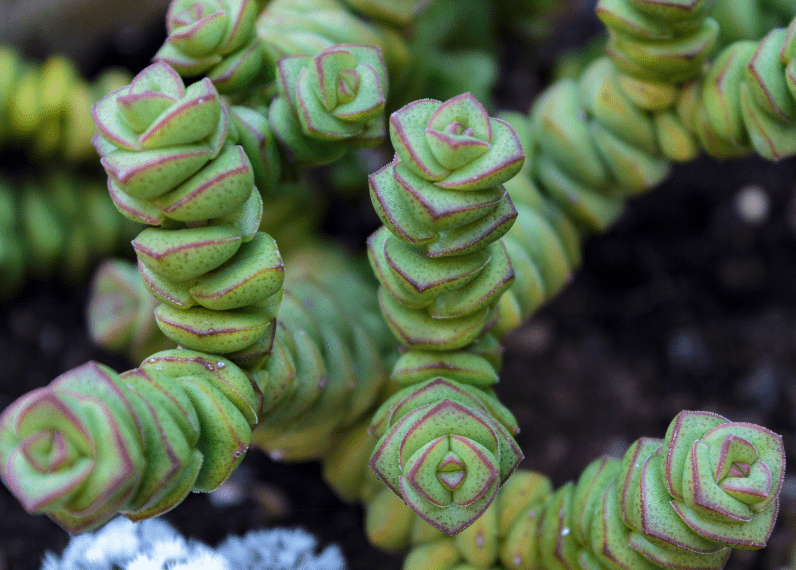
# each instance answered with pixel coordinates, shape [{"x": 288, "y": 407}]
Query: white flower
[{"x": 154, "y": 545}]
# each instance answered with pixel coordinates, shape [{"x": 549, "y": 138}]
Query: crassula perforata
[
  {"x": 443, "y": 451},
  {"x": 94, "y": 443},
  {"x": 681, "y": 502},
  {"x": 215, "y": 38},
  {"x": 172, "y": 163},
  {"x": 438, "y": 257},
  {"x": 447, "y": 255},
  {"x": 330, "y": 101}
]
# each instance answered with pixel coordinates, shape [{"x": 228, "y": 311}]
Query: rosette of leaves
[
  {"x": 94, "y": 443},
  {"x": 330, "y": 102},
  {"x": 438, "y": 258},
  {"x": 171, "y": 163},
  {"x": 682, "y": 502},
  {"x": 346, "y": 462},
  {"x": 214, "y": 38},
  {"x": 46, "y": 108},
  {"x": 444, "y": 449}
]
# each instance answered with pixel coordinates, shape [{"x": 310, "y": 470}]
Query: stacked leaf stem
[
  {"x": 445, "y": 442},
  {"x": 462, "y": 260},
  {"x": 590, "y": 145},
  {"x": 94, "y": 443},
  {"x": 595, "y": 142},
  {"x": 441, "y": 267},
  {"x": 685, "y": 501},
  {"x": 172, "y": 164}
]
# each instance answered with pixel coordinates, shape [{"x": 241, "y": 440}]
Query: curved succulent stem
[
  {"x": 682, "y": 502},
  {"x": 746, "y": 101},
  {"x": 95, "y": 443},
  {"x": 329, "y": 363}
]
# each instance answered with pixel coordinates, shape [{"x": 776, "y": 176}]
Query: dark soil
[{"x": 686, "y": 303}]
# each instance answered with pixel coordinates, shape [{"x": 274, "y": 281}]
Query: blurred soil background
[{"x": 688, "y": 302}]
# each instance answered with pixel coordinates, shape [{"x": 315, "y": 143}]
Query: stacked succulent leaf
[
  {"x": 461, "y": 260},
  {"x": 329, "y": 102},
  {"x": 682, "y": 502},
  {"x": 445, "y": 443},
  {"x": 215, "y": 39},
  {"x": 94, "y": 443},
  {"x": 172, "y": 163}
]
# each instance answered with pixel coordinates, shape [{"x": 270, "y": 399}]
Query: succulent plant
[
  {"x": 214, "y": 38},
  {"x": 94, "y": 443},
  {"x": 445, "y": 447},
  {"x": 747, "y": 99},
  {"x": 171, "y": 164},
  {"x": 461, "y": 261},
  {"x": 330, "y": 101},
  {"x": 438, "y": 257},
  {"x": 443, "y": 451},
  {"x": 682, "y": 502}
]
